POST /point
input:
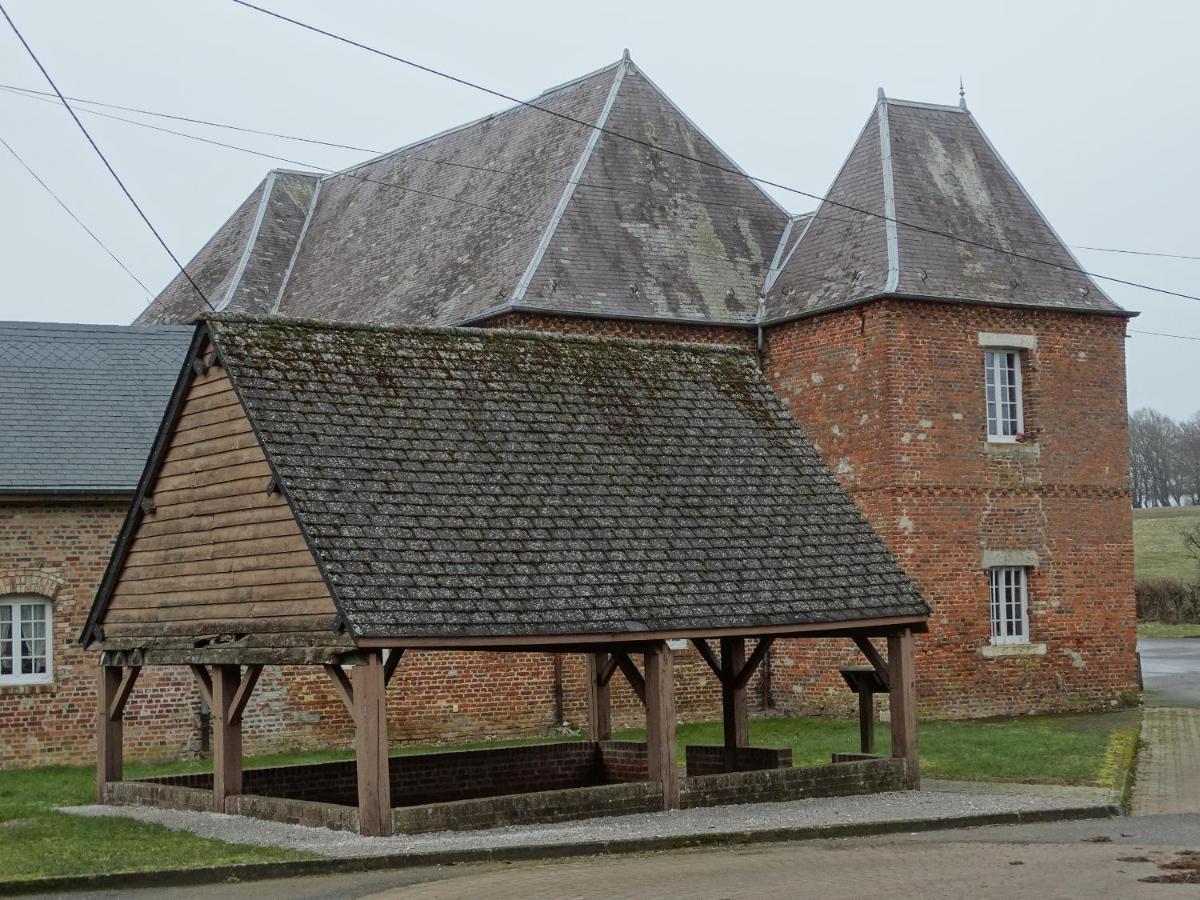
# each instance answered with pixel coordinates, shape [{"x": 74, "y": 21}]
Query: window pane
[
  {"x": 32, "y": 639},
  {"x": 6, "y": 642}
]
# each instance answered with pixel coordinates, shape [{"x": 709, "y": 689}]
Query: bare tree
[
  {"x": 1153, "y": 444},
  {"x": 1187, "y": 460}
]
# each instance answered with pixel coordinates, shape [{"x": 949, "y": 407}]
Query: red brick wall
[
  {"x": 59, "y": 550},
  {"x": 892, "y": 394}
]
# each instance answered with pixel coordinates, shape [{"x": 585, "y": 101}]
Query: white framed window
[
  {"x": 25, "y": 641},
  {"x": 1008, "y": 593},
  {"x": 1002, "y": 376}
]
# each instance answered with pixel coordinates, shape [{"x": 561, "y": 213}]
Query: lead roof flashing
[
  {"x": 889, "y": 197},
  {"x": 569, "y": 190},
  {"x": 251, "y": 239}
]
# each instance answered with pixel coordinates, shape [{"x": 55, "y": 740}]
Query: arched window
[{"x": 25, "y": 640}]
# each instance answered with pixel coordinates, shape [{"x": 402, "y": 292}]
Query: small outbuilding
[{"x": 334, "y": 496}]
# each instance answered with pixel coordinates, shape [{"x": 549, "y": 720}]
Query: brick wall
[{"x": 892, "y": 394}]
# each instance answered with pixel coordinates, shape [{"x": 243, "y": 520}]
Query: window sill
[
  {"x": 998, "y": 651},
  {"x": 26, "y": 689},
  {"x": 1027, "y": 449}
]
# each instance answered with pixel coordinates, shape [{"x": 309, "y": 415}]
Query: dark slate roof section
[
  {"x": 936, "y": 169},
  {"x": 461, "y": 483},
  {"x": 650, "y": 235},
  {"x": 384, "y": 247},
  {"x": 242, "y": 266},
  {"x": 80, "y": 404}
]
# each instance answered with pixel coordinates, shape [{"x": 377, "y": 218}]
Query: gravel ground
[{"x": 752, "y": 817}]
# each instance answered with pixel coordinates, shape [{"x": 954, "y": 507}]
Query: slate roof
[
  {"x": 467, "y": 482},
  {"x": 527, "y": 210},
  {"x": 521, "y": 209},
  {"x": 929, "y": 166},
  {"x": 80, "y": 404}
]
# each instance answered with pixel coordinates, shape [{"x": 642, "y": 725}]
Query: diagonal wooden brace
[
  {"x": 706, "y": 653},
  {"x": 344, "y": 688},
  {"x": 747, "y": 672},
  {"x": 878, "y": 662},
  {"x": 242, "y": 696},
  {"x": 116, "y": 709},
  {"x": 204, "y": 682},
  {"x": 629, "y": 667}
]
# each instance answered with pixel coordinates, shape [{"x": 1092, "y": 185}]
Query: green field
[{"x": 1158, "y": 543}]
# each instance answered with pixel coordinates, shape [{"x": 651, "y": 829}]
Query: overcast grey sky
[{"x": 1094, "y": 105}]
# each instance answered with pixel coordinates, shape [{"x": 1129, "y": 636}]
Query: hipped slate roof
[
  {"x": 527, "y": 210},
  {"x": 80, "y": 404},
  {"x": 917, "y": 164},
  {"x": 520, "y": 209},
  {"x": 455, "y": 482}
]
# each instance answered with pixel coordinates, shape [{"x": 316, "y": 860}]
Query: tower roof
[{"x": 918, "y": 174}]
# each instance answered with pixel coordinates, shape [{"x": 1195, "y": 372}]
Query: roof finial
[
  {"x": 880, "y": 95},
  {"x": 625, "y": 55},
  {"x": 962, "y": 94}
]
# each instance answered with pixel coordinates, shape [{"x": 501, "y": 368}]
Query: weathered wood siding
[{"x": 218, "y": 555}]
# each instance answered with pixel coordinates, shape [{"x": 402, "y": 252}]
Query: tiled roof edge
[{"x": 512, "y": 333}]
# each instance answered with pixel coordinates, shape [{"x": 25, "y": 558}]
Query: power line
[
  {"x": 718, "y": 166},
  {"x": 1181, "y": 337},
  {"x": 100, "y": 153},
  {"x": 245, "y": 129},
  {"x": 69, "y": 212}
]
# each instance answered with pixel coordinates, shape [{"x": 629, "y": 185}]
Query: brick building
[{"x": 925, "y": 324}]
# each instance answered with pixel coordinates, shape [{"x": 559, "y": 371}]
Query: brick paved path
[{"x": 1168, "y": 768}]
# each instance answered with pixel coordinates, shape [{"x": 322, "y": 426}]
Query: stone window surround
[
  {"x": 38, "y": 585},
  {"x": 997, "y": 341},
  {"x": 998, "y": 559}
]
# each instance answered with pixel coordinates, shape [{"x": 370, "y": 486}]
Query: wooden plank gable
[{"x": 214, "y": 554}]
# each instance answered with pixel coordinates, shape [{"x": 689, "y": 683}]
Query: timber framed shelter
[{"x": 331, "y": 495}]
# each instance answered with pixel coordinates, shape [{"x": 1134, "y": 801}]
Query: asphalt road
[
  {"x": 1096, "y": 858},
  {"x": 1171, "y": 671}
]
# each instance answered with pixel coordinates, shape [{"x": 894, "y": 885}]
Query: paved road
[
  {"x": 1098, "y": 858},
  {"x": 1171, "y": 671}
]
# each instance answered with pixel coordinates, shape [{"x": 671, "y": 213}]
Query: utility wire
[
  {"x": 78, "y": 221},
  {"x": 244, "y": 129},
  {"x": 103, "y": 158},
  {"x": 1181, "y": 337},
  {"x": 718, "y": 166}
]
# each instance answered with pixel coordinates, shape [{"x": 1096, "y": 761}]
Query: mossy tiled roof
[{"x": 458, "y": 482}]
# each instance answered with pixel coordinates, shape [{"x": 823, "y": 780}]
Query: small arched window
[{"x": 25, "y": 640}]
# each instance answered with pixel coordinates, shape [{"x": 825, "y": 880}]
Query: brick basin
[{"x": 544, "y": 783}]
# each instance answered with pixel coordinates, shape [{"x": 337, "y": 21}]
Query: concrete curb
[{"x": 264, "y": 871}]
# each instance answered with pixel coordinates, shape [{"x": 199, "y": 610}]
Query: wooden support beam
[
  {"x": 203, "y": 681},
  {"x": 866, "y": 720},
  {"x": 735, "y": 716},
  {"x": 128, "y": 678},
  {"x": 706, "y": 653},
  {"x": 610, "y": 669},
  {"x": 344, "y": 688},
  {"x": 599, "y": 696},
  {"x": 629, "y": 667},
  {"x": 747, "y": 671},
  {"x": 393, "y": 662},
  {"x": 903, "y": 692},
  {"x": 110, "y": 765},
  {"x": 371, "y": 748},
  {"x": 227, "y": 735},
  {"x": 660, "y": 723},
  {"x": 873, "y": 657},
  {"x": 242, "y": 697}
]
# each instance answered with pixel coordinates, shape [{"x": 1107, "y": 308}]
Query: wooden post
[
  {"x": 599, "y": 698},
  {"x": 109, "y": 732},
  {"x": 734, "y": 713},
  {"x": 227, "y": 735},
  {"x": 660, "y": 723},
  {"x": 903, "y": 691},
  {"x": 371, "y": 747},
  {"x": 866, "y": 719}
]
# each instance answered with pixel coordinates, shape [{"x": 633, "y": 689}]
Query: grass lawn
[
  {"x": 37, "y": 842},
  {"x": 1158, "y": 543},
  {"x": 1163, "y": 630}
]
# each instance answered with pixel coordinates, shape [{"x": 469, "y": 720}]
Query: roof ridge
[
  {"x": 251, "y": 239},
  {"x": 287, "y": 273},
  {"x": 488, "y": 333},
  {"x": 89, "y": 326},
  {"x": 569, "y": 190},
  {"x": 891, "y": 238},
  {"x": 920, "y": 104}
]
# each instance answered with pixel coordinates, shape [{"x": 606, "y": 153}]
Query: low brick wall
[
  {"x": 776, "y": 785},
  {"x": 141, "y": 793},
  {"x": 542, "y": 807},
  {"x": 295, "y": 812},
  {"x": 706, "y": 759},
  {"x": 446, "y": 777}
]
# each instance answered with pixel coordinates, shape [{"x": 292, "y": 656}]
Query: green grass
[
  {"x": 1069, "y": 749},
  {"x": 36, "y": 841},
  {"x": 1158, "y": 543},
  {"x": 1163, "y": 630}
]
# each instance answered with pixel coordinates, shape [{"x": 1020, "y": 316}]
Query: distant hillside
[{"x": 1158, "y": 543}]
